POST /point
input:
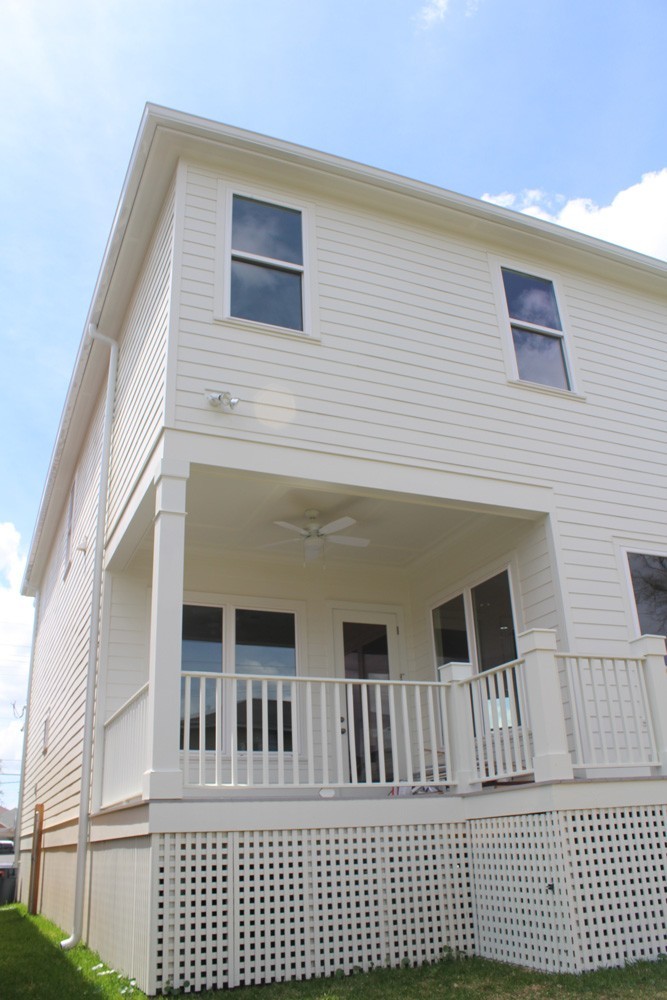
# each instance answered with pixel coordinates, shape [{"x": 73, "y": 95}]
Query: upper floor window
[
  {"x": 537, "y": 330},
  {"x": 267, "y": 263}
]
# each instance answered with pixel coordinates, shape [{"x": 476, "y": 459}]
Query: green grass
[{"x": 33, "y": 966}]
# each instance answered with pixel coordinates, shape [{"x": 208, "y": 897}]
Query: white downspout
[
  {"x": 26, "y": 722},
  {"x": 89, "y": 715}
]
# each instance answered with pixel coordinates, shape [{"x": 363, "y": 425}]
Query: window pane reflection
[
  {"x": 265, "y": 645},
  {"x": 266, "y": 295},
  {"x": 539, "y": 358},
  {"x": 449, "y": 630},
  {"x": 532, "y": 300},
  {"x": 267, "y": 230},
  {"x": 649, "y": 582}
]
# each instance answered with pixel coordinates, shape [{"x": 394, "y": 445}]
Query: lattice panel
[
  {"x": 618, "y": 866},
  {"x": 193, "y": 880},
  {"x": 311, "y": 902},
  {"x": 522, "y": 895},
  {"x": 254, "y": 907}
]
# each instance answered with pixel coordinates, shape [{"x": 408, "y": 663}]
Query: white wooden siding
[
  {"x": 140, "y": 386},
  {"x": 410, "y": 370},
  {"x": 61, "y": 653},
  {"x": 126, "y": 665}
]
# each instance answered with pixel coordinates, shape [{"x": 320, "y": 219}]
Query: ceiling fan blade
[
  {"x": 291, "y": 527},
  {"x": 342, "y": 522},
  {"x": 349, "y": 540}
]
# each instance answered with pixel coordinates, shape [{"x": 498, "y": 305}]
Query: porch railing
[
  {"x": 501, "y": 726},
  {"x": 263, "y": 731},
  {"x": 608, "y": 712},
  {"x": 125, "y": 750}
]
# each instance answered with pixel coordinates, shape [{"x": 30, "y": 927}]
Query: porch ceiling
[{"x": 237, "y": 513}]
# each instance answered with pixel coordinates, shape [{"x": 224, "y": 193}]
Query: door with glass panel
[
  {"x": 366, "y": 648},
  {"x": 477, "y": 626}
]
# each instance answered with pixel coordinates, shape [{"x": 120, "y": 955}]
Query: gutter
[{"x": 91, "y": 676}]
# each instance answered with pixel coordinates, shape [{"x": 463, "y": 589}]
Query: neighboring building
[
  {"x": 7, "y": 823},
  {"x": 310, "y": 756}
]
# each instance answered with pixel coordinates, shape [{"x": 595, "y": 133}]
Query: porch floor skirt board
[{"x": 263, "y": 906}]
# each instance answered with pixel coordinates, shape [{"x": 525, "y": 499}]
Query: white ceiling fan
[{"x": 314, "y": 535}]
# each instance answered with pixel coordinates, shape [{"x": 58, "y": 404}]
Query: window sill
[
  {"x": 274, "y": 331},
  {"x": 549, "y": 390}
]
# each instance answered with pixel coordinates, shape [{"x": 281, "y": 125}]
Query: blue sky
[{"x": 552, "y": 107}]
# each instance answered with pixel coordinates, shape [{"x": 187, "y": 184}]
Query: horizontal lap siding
[
  {"x": 139, "y": 401},
  {"x": 127, "y": 649},
  {"x": 61, "y": 652},
  {"x": 410, "y": 369}
]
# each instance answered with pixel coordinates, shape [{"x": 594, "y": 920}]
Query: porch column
[
  {"x": 651, "y": 648},
  {"x": 164, "y": 778},
  {"x": 551, "y": 755},
  {"x": 460, "y": 736}
]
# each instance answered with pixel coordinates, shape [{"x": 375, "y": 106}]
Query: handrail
[{"x": 124, "y": 707}]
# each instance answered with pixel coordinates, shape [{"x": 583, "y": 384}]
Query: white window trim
[
  {"x": 223, "y": 261},
  {"x": 466, "y": 588},
  {"x": 498, "y": 264}
]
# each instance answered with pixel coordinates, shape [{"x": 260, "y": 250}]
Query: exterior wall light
[{"x": 222, "y": 400}]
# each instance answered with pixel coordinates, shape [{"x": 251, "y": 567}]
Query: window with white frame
[
  {"x": 537, "y": 330},
  {"x": 266, "y": 283},
  {"x": 648, "y": 574},
  {"x": 477, "y": 626},
  {"x": 241, "y": 641}
]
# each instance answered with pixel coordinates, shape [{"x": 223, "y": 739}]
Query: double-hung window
[
  {"x": 537, "y": 330},
  {"x": 267, "y": 263}
]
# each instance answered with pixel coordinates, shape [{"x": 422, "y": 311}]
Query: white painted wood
[
  {"x": 323, "y": 737},
  {"x": 163, "y": 775},
  {"x": 140, "y": 387}
]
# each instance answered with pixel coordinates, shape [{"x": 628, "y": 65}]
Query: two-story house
[{"x": 350, "y": 574}]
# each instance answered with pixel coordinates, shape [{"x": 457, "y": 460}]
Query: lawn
[{"x": 33, "y": 966}]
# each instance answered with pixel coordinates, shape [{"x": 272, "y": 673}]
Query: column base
[{"x": 163, "y": 785}]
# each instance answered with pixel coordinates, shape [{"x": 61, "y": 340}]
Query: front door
[{"x": 366, "y": 645}]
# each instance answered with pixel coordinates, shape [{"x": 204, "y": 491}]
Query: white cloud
[
  {"x": 16, "y": 614},
  {"x": 635, "y": 218},
  {"x": 432, "y": 13}
]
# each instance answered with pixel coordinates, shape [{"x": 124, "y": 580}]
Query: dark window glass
[
  {"x": 451, "y": 636},
  {"x": 202, "y": 639},
  {"x": 532, "y": 300},
  {"x": 267, "y": 295},
  {"x": 494, "y": 625},
  {"x": 539, "y": 358},
  {"x": 649, "y": 582},
  {"x": 265, "y": 644},
  {"x": 267, "y": 230},
  {"x": 201, "y": 651}
]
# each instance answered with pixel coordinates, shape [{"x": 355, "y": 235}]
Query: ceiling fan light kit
[{"x": 314, "y": 535}]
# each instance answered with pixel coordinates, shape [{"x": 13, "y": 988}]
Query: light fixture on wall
[{"x": 220, "y": 399}]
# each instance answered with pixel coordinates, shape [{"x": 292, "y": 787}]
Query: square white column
[{"x": 163, "y": 778}]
